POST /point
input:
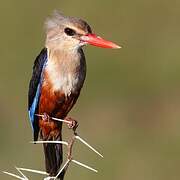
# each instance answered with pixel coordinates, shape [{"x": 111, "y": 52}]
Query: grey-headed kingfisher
[{"x": 58, "y": 75}]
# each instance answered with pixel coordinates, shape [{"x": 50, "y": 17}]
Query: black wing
[{"x": 34, "y": 90}]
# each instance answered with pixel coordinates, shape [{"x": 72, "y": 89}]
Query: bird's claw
[
  {"x": 45, "y": 117},
  {"x": 73, "y": 124}
]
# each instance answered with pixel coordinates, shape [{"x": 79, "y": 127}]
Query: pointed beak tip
[{"x": 117, "y": 47}]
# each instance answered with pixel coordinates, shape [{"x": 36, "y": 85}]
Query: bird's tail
[{"x": 54, "y": 157}]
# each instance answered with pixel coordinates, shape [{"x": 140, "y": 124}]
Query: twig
[{"x": 70, "y": 159}]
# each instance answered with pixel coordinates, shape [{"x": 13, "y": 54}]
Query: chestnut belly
[{"x": 56, "y": 104}]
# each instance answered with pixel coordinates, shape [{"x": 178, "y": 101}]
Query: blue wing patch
[{"x": 32, "y": 109}]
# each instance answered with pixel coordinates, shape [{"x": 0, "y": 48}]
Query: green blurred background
[{"x": 129, "y": 108}]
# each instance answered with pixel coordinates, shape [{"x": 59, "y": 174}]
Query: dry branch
[{"x": 70, "y": 145}]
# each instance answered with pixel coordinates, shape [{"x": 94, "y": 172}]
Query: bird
[{"x": 57, "y": 78}]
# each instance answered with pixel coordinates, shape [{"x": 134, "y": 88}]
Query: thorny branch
[{"x": 70, "y": 159}]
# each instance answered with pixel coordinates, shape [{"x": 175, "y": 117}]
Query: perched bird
[{"x": 58, "y": 75}]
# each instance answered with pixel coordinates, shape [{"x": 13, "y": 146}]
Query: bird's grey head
[{"x": 65, "y": 32}]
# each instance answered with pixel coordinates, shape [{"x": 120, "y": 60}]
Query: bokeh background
[{"x": 129, "y": 108}]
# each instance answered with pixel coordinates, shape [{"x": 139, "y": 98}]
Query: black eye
[
  {"x": 89, "y": 29},
  {"x": 69, "y": 31}
]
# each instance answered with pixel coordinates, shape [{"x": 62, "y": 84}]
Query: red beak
[{"x": 98, "y": 41}]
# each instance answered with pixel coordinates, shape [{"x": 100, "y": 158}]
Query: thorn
[
  {"x": 24, "y": 169},
  {"x": 55, "y": 119},
  {"x": 85, "y": 166},
  {"x": 21, "y": 172},
  {"x": 33, "y": 171},
  {"x": 61, "y": 120},
  {"x": 84, "y": 142},
  {"x": 66, "y": 163},
  {"x": 55, "y": 142},
  {"x": 14, "y": 175},
  {"x": 39, "y": 115},
  {"x": 48, "y": 178}
]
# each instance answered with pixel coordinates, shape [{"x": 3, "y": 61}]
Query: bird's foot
[
  {"x": 73, "y": 124},
  {"x": 45, "y": 117}
]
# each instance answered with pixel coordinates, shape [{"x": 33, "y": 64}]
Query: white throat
[{"x": 63, "y": 71}]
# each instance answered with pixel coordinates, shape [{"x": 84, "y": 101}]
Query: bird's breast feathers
[{"x": 64, "y": 74}]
